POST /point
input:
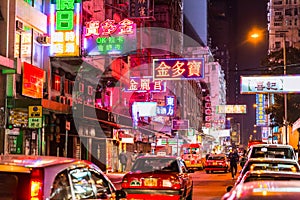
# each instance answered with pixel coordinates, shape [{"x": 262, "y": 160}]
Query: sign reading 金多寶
[
  {"x": 64, "y": 27},
  {"x": 109, "y": 37},
  {"x": 178, "y": 68},
  {"x": 270, "y": 84}
]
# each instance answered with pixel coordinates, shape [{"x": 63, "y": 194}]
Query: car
[
  {"x": 271, "y": 189},
  {"x": 266, "y": 175},
  {"x": 216, "y": 162},
  {"x": 158, "y": 177},
  {"x": 270, "y": 164},
  {"x": 52, "y": 178},
  {"x": 271, "y": 151}
]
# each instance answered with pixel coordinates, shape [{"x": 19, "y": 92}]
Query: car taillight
[
  {"x": 36, "y": 184},
  {"x": 172, "y": 182}
]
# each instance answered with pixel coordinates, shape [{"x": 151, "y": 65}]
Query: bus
[{"x": 192, "y": 155}]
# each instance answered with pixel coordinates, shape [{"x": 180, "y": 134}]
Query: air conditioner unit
[
  {"x": 43, "y": 39},
  {"x": 19, "y": 26}
]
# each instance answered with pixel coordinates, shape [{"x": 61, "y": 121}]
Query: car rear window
[
  {"x": 155, "y": 164},
  {"x": 216, "y": 158},
  {"x": 14, "y": 185},
  {"x": 272, "y": 152}
]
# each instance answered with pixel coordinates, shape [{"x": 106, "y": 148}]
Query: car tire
[{"x": 207, "y": 171}]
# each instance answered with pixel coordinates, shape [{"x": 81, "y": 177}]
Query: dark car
[
  {"x": 25, "y": 177},
  {"x": 269, "y": 164},
  {"x": 158, "y": 177},
  {"x": 216, "y": 162}
]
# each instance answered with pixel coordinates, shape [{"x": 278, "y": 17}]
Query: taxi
[
  {"x": 158, "y": 177},
  {"x": 47, "y": 177},
  {"x": 216, "y": 162}
]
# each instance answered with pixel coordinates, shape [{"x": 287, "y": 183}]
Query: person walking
[
  {"x": 133, "y": 157},
  {"x": 123, "y": 160},
  {"x": 234, "y": 159}
]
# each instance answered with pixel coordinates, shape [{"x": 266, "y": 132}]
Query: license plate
[{"x": 150, "y": 182}]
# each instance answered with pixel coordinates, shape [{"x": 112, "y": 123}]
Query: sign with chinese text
[
  {"x": 64, "y": 28},
  {"x": 33, "y": 81},
  {"x": 168, "y": 109},
  {"x": 35, "y": 111},
  {"x": 207, "y": 111},
  {"x": 261, "y": 119},
  {"x": 145, "y": 84},
  {"x": 109, "y": 37},
  {"x": 178, "y": 68},
  {"x": 231, "y": 109},
  {"x": 140, "y": 8},
  {"x": 34, "y": 122},
  {"x": 180, "y": 124},
  {"x": 270, "y": 84}
]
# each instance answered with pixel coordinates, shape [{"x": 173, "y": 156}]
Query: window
[
  {"x": 56, "y": 82},
  {"x": 82, "y": 183},
  {"x": 61, "y": 187},
  {"x": 102, "y": 185}
]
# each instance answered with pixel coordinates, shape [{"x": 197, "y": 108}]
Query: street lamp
[{"x": 255, "y": 35}]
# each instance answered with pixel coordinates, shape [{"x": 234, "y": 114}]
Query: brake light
[
  {"x": 125, "y": 183},
  {"x": 36, "y": 184}
]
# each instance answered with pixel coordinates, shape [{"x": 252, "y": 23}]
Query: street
[{"x": 206, "y": 186}]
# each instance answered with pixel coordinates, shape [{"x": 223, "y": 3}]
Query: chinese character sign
[
  {"x": 260, "y": 110},
  {"x": 145, "y": 84},
  {"x": 178, "y": 68},
  {"x": 109, "y": 37},
  {"x": 139, "y": 8},
  {"x": 270, "y": 84},
  {"x": 64, "y": 27}
]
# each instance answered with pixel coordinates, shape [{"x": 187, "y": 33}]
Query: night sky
[{"x": 250, "y": 14}]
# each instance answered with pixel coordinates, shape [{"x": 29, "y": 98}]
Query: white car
[
  {"x": 271, "y": 151},
  {"x": 45, "y": 177}
]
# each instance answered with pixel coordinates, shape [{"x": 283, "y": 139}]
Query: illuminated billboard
[
  {"x": 145, "y": 84},
  {"x": 33, "y": 80},
  {"x": 64, "y": 28},
  {"x": 109, "y": 37},
  {"x": 261, "y": 119},
  {"x": 270, "y": 84},
  {"x": 178, "y": 68},
  {"x": 234, "y": 109}
]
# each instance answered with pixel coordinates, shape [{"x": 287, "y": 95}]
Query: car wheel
[
  {"x": 225, "y": 171},
  {"x": 207, "y": 171}
]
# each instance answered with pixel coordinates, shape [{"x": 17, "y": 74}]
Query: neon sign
[
  {"x": 145, "y": 84},
  {"x": 260, "y": 110},
  {"x": 109, "y": 37},
  {"x": 64, "y": 27},
  {"x": 178, "y": 68}
]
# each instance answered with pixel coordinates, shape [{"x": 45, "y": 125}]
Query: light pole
[{"x": 285, "y": 95}]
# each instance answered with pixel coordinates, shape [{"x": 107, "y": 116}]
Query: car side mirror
[
  {"x": 120, "y": 194},
  {"x": 229, "y": 188}
]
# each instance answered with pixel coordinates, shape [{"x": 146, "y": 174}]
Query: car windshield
[
  {"x": 272, "y": 152},
  {"x": 155, "y": 164},
  {"x": 263, "y": 177}
]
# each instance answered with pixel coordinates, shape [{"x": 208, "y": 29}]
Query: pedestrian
[
  {"x": 133, "y": 156},
  {"x": 123, "y": 160},
  {"x": 234, "y": 159},
  {"x": 140, "y": 153}
]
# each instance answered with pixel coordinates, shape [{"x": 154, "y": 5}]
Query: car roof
[
  {"x": 272, "y": 145},
  {"x": 273, "y": 173},
  {"x": 274, "y": 160},
  {"x": 36, "y": 161},
  {"x": 269, "y": 189}
]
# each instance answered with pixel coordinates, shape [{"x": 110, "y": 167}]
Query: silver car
[
  {"x": 25, "y": 177},
  {"x": 271, "y": 151}
]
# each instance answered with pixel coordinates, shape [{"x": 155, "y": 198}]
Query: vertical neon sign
[{"x": 64, "y": 27}]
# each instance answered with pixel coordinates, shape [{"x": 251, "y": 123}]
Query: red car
[
  {"x": 158, "y": 177},
  {"x": 216, "y": 162}
]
